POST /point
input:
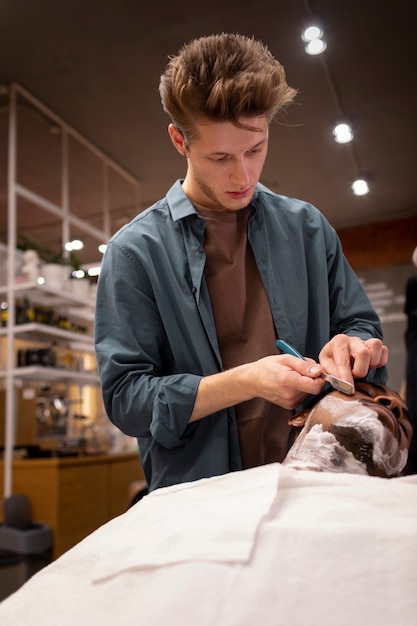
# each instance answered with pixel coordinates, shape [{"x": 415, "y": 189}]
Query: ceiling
[{"x": 97, "y": 64}]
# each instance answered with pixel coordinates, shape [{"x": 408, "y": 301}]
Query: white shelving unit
[
  {"x": 76, "y": 308},
  {"x": 40, "y": 333},
  {"x": 61, "y": 169}
]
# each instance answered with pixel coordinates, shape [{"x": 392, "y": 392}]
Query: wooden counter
[{"x": 75, "y": 495}]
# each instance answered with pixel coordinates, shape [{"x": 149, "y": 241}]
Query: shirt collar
[{"x": 181, "y": 206}]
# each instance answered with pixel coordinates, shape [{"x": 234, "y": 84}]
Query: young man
[{"x": 196, "y": 289}]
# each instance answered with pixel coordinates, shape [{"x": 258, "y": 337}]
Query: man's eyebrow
[{"x": 220, "y": 152}]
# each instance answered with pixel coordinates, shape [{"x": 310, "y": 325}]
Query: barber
[{"x": 195, "y": 290}]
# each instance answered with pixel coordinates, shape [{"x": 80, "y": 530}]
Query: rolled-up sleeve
[{"x": 148, "y": 357}]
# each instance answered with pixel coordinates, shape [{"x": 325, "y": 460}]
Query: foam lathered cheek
[{"x": 346, "y": 436}]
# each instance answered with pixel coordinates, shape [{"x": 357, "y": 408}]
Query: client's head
[{"x": 366, "y": 433}]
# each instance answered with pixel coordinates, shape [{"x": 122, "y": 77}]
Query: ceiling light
[
  {"x": 94, "y": 271},
  {"x": 75, "y": 244},
  {"x": 316, "y": 46},
  {"x": 78, "y": 274},
  {"x": 360, "y": 187},
  {"x": 311, "y": 32},
  {"x": 102, "y": 248},
  {"x": 342, "y": 133}
]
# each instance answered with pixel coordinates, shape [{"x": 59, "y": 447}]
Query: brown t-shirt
[{"x": 245, "y": 329}]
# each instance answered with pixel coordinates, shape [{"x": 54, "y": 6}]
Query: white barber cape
[{"x": 269, "y": 546}]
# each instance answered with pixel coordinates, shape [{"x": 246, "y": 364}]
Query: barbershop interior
[{"x": 84, "y": 148}]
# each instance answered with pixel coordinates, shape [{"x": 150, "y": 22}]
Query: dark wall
[
  {"x": 381, "y": 244},
  {"x": 381, "y": 256}
]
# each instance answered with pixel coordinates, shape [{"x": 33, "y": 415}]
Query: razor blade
[{"x": 337, "y": 383}]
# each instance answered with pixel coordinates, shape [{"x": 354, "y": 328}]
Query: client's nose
[
  {"x": 393, "y": 402},
  {"x": 402, "y": 425}
]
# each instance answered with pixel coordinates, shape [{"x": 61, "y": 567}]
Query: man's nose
[{"x": 240, "y": 172}]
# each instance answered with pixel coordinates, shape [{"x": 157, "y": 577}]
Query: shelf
[
  {"x": 82, "y": 313},
  {"x": 52, "y": 295},
  {"x": 52, "y": 374},
  {"x": 34, "y": 331},
  {"x": 47, "y": 294}
]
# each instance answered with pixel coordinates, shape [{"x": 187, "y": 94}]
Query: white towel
[
  {"x": 208, "y": 520},
  {"x": 332, "y": 549}
]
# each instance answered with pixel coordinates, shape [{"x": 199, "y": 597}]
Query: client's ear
[
  {"x": 300, "y": 418},
  {"x": 297, "y": 422}
]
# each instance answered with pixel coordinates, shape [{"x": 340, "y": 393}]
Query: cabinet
[{"x": 74, "y": 496}]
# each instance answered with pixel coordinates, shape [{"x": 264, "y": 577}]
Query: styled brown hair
[{"x": 222, "y": 78}]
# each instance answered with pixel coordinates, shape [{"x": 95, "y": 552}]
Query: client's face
[{"x": 365, "y": 433}]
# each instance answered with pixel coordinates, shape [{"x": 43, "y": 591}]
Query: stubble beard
[{"x": 210, "y": 194}]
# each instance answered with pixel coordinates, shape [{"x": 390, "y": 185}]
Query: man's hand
[
  {"x": 281, "y": 379},
  {"x": 352, "y": 357},
  {"x": 286, "y": 380}
]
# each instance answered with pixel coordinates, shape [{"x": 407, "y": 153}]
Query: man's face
[
  {"x": 225, "y": 163},
  {"x": 355, "y": 434}
]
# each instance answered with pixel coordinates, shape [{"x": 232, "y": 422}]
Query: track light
[
  {"x": 360, "y": 187},
  {"x": 311, "y": 32},
  {"x": 312, "y": 36},
  {"x": 75, "y": 244},
  {"x": 342, "y": 133}
]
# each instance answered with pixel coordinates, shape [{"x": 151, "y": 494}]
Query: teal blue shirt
[{"x": 155, "y": 335}]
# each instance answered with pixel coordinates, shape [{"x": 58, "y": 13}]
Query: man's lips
[{"x": 239, "y": 194}]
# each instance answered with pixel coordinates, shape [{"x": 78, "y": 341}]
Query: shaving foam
[{"x": 319, "y": 450}]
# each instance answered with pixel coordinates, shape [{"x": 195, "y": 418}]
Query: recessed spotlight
[
  {"x": 311, "y": 32},
  {"x": 342, "y": 133},
  {"x": 360, "y": 187},
  {"x": 316, "y": 46}
]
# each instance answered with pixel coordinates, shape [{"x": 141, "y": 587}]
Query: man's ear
[{"x": 177, "y": 139}]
